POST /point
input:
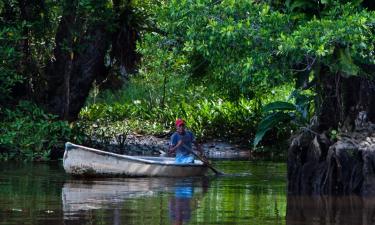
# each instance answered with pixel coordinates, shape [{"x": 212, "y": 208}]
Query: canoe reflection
[
  {"x": 332, "y": 210},
  {"x": 79, "y": 196}
]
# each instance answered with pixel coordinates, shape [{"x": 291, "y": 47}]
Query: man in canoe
[{"x": 181, "y": 143}]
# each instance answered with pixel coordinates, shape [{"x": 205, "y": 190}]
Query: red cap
[{"x": 180, "y": 122}]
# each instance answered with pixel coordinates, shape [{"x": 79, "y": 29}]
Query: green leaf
[
  {"x": 346, "y": 63},
  {"x": 268, "y": 123},
  {"x": 278, "y": 105}
]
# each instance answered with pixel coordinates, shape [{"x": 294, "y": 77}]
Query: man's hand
[
  {"x": 199, "y": 149},
  {"x": 173, "y": 149},
  {"x": 170, "y": 151}
]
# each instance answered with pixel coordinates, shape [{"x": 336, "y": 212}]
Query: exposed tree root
[{"x": 345, "y": 164}]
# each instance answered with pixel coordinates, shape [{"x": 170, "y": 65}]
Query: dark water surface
[{"x": 253, "y": 193}]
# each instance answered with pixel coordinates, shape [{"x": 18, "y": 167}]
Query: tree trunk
[
  {"x": 124, "y": 44},
  {"x": 336, "y": 154},
  {"x": 125, "y": 38},
  {"x": 78, "y": 63},
  {"x": 72, "y": 75},
  {"x": 59, "y": 72}
]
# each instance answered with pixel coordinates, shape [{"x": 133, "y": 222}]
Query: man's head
[{"x": 180, "y": 126}]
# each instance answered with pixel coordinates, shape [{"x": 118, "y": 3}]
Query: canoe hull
[{"x": 83, "y": 161}]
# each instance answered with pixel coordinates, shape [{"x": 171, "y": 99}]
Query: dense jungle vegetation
[{"x": 249, "y": 72}]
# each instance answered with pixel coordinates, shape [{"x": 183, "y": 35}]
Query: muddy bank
[{"x": 151, "y": 145}]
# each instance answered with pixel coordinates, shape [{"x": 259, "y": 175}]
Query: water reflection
[
  {"x": 81, "y": 198},
  {"x": 332, "y": 210},
  {"x": 183, "y": 201},
  {"x": 81, "y": 195},
  {"x": 41, "y": 194}
]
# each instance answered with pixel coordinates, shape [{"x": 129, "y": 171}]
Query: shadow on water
[{"x": 331, "y": 210}]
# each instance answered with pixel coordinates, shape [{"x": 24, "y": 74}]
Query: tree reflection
[{"x": 332, "y": 210}]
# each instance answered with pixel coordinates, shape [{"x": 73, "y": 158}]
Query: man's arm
[{"x": 173, "y": 148}]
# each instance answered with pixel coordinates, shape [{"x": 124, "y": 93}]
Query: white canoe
[{"x": 83, "y": 161}]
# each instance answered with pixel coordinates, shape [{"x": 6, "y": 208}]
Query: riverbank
[{"x": 136, "y": 144}]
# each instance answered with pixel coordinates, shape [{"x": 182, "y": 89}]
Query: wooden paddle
[
  {"x": 207, "y": 163},
  {"x": 201, "y": 158}
]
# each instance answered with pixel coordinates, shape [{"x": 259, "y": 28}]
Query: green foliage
[
  {"x": 342, "y": 40},
  {"x": 206, "y": 113},
  {"x": 103, "y": 132},
  {"x": 278, "y": 106},
  {"x": 207, "y": 118},
  {"x": 333, "y": 134},
  {"x": 28, "y": 133},
  {"x": 269, "y": 122},
  {"x": 277, "y": 113},
  {"x": 214, "y": 63},
  {"x": 10, "y": 34},
  {"x": 26, "y": 35},
  {"x": 243, "y": 49},
  {"x": 227, "y": 44}
]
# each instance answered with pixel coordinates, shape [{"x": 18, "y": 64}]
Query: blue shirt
[{"x": 184, "y": 150}]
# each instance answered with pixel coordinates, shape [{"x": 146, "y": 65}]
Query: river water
[{"x": 250, "y": 193}]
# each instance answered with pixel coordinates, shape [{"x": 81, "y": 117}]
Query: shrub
[{"x": 28, "y": 133}]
